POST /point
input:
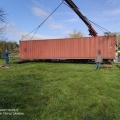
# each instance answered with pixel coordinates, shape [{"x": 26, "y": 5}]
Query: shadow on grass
[{"x": 118, "y": 66}]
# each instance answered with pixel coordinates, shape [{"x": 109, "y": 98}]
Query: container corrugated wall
[{"x": 78, "y": 48}]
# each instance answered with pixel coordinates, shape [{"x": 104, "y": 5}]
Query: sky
[{"x": 22, "y": 16}]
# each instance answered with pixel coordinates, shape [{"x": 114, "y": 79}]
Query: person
[
  {"x": 98, "y": 60},
  {"x": 6, "y": 57}
]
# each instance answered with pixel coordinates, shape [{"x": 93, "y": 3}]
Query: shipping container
[{"x": 68, "y": 48}]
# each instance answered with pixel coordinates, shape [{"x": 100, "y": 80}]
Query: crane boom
[{"x": 72, "y": 5}]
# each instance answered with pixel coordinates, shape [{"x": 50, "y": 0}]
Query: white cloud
[
  {"x": 13, "y": 31},
  {"x": 37, "y": 11},
  {"x": 113, "y": 12},
  {"x": 37, "y": 36},
  {"x": 56, "y": 26},
  {"x": 24, "y": 35},
  {"x": 2, "y": 28},
  {"x": 112, "y": 2},
  {"x": 73, "y": 20}
]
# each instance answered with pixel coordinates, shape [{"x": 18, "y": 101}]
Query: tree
[
  {"x": 75, "y": 34},
  {"x": 117, "y": 38},
  {"x": 10, "y": 45},
  {"x": 109, "y": 34},
  {"x": 118, "y": 41}
]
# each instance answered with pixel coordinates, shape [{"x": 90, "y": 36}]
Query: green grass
[{"x": 59, "y": 91}]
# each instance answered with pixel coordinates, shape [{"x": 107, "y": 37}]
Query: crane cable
[
  {"x": 37, "y": 28},
  {"x": 100, "y": 27},
  {"x": 103, "y": 29}
]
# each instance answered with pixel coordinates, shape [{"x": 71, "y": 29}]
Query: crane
[{"x": 73, "y": 6}]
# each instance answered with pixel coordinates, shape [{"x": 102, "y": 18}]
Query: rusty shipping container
[{"x": 69, "y": 48}]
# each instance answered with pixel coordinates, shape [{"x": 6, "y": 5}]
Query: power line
[{"x": 36, "y": 29}]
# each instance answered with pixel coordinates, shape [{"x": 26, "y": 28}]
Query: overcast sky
[{"x": 24, "y": 15}]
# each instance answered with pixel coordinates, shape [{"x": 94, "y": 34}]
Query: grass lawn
[{"x": 59, "y": 91}]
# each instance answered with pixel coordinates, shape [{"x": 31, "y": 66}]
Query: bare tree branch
[
  {"x": 2, "y": 22},
  {"x": 2, "y": 16}
]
